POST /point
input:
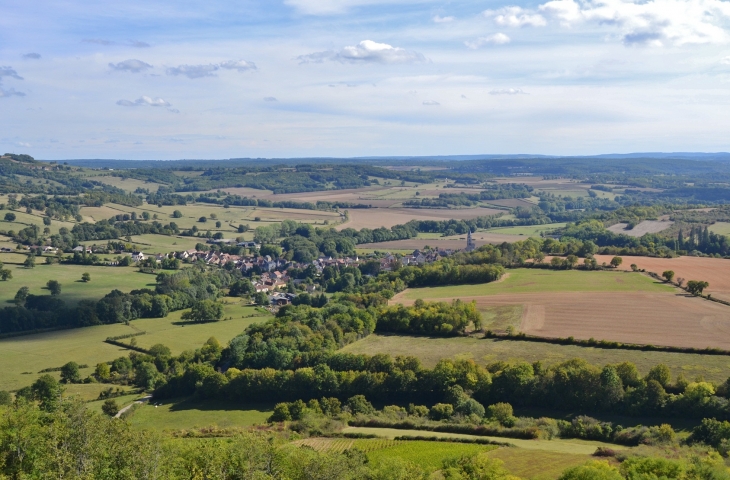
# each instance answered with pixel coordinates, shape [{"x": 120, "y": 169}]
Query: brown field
[
  {"x": 712, "y": 270},
  {"x": 377, "y": 217},
  {"x": 645, "y": 318},
  {"x": 647, "y": 226},
  {"x": 512, "y": 203},
  {"x": 480, "y": 238}
]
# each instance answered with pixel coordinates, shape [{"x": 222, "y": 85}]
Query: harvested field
[
  {"x": 378, "y": 217},
  {"x": 512, "y": 203},
  {"x": 622, "y": 307},
  {"x": 480, "y": 239},
  {"x": 657, "y": 319},
  {"x": 647, "y": 226},
  {"x": 430, "y": 350},
  {"x": 712, "y": 270}
]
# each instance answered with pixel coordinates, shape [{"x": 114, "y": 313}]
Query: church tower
[{"x": 470, "y": 242}]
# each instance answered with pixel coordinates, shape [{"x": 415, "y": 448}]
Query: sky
[{"x": 155, "y": 79}]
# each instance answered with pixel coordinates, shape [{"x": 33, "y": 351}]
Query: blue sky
[{"x": 295, "y": 78}]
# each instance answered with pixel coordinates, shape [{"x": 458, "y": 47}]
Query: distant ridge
[{"x": 425, "y": 159}]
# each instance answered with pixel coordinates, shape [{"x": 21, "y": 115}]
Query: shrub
[
  {"x": 441, "y": 411},
  {"x": 110, "y": 407}
]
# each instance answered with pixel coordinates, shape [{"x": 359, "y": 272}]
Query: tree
[
  {"x": 6, "y": 274},
  {"x": 669, "y": 275},
  {"x": 218, "y": 224},
  {"x": 241, "y": 287},
  {"x": 102, "y": 371},
  {"x": 203, "y": 219},
  {"x": 54, "y": 286},
  {"x": 661, "y": 374},
  {"x": 261, "y": 298},
  {"x": 204, "y": 311},
  {"x": 85, "y": 277},
  {"x": 571, "y": 260},
  {"x": 46, "y": 221},
  {"x": 359, "y": 404},
  {"x": 596, "y": 470},
  {"x": 159, "y": 350},
  {"x": 5, "y": 398},
  {"x": 29, "y": 261},
  {"x": 47, "y": 391},
  {"x": 70, "y": 373},
  {"x": 21, "y": 296},
  {"x": 696, "y": 287},
  {"x": 9, "y": 217},
  {"x": 177, "y": 214},
  {"x": 110, "y": 407},
  {"x": 616, "y": 262}
]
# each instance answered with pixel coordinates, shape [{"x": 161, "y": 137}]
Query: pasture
[
  {"x": 712, "y": 270},
  {"x": 647, "y": 226},
  {"x": 721, "y": 228},
  {"x": 185, "y": 414},
  {"x": 103, "y": 280},
  {"x": 127, "y": 184},
  {"x": 24, "y": 356},
  {"x": 379, "y": 217},
  {"x": 430, "y": 350}
]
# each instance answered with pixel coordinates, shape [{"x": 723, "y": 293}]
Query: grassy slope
[
  {"x": 530, "y": 230},
  {"x": 103, "y": 280},
  {"x": 537, "y": 465},
  {"x": 31, "y": 353},
  {"x": 721, "y": 228},
  {"x": 524, "y": 280},
  {"x": 429, "y": 455},
  {"x": 187, "y": 414},
  {"x": 431, "y": 350}
]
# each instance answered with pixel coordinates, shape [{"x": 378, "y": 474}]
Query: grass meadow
[
  {"x": 23, "y": 357},
  {"x": 430, "y": 350},
  {"x": 187, "y": 414},
  {"x": 428, "y": 455},
  {"x": 721, "y": 228},
  {"x": 537, "y": 465},
  {"x": 103, "y": 280},
  {"x": 528, "y": 231},
  {"x": 524, "y": 280}
]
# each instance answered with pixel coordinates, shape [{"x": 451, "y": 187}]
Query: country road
[{"x": 140, "y": 401}]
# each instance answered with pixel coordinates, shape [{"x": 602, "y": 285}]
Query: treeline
[
  {"x": 574, "y": 385},
  {"x": 176, "y": 291},
  {"x": 493, "y": 192}
]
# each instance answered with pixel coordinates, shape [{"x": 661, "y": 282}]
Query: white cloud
[
  {"x": 240, "y": 65},
  {"x": 439, "y": 19},
  {"x": 193, "y": 71},
  {"x": 131, "y": 65},
  {"x": 270, "y": 99},
  {"x": 653, "y": 22},
  {"x": 726, "y": 60},
  {"x": 11, "y": 92},
  {"x": 366, "y": 51},
  {"x": 32, "y": 56},
  {"x": 144, "y": 101},
  {"x": 431, "y": 103},
  {"x": 513, "y": 16},
  {"x": 24, "y": 144},
  {"x": 496, "y": 39},
  {"x": 507, "y": 91}
]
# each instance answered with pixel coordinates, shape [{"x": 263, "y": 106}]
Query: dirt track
[
  {"x": 716, "y": 271},
  {"x": 646, "y": 318}
]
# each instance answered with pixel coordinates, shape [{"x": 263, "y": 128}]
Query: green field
[
  {"x": 721, "y": 228},
  {"x": 152, "y": 243},
  {"x": 428, "y": 455},
  {"x": 127, "y": 184},
  {"x": 528, "y": 231},
  {"x": 430, "y": 350},
  {"x": 524, "y": 280},
  {"x": 188, "y": 413},
  {"x": 572, "y": 446},
  {"x": 32, "y": 353},
  {"x": 103, "y": 280},
  {"x": 537, "y": 465},
  {"x": 498, "y": 318}
]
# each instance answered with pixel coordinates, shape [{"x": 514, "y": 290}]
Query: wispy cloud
[
  {"x": 10, "y": 73},
  {"x": 144, "y": 101},
  {"x": 496, "y": 39},
  {"x": 270, "y": 99},
  {"x": 439, "y": 19},
  {"x": 515, "y": 17},
  {"x": 202, "y": 71},
  {"x": 11, "y": 92},
  {"x": 239, "y": 65},
  {"x": 431, "y": 103},
  {"x": 507, "y": 91},
  {"x": 366, "y": 51},
  {"x": 131, "y": 65},
  {"x": 726, "y": 60},
  {"x": 32, "y": 56},
  {"x": 106, "y": 43}
]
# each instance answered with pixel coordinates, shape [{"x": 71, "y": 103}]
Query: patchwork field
[
  {"x": 595, "y": 305},
  {"x": 647, "y": 226},
  {"x": 189, "y": 413},
  {"x": 377, "y": 217},
  {"x": 32, "y": 353},
  {"x": 430, "y": 350},
  {"x": 712, "y": 270}
]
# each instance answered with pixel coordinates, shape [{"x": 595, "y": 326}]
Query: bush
[
  {"x": 281, "y": 413},
  {"x": 441, "y": 411},
  {"x": 70, "y": 373},
  {"x": 503, "y": 413},
  {"x": 110, "y": 407},
  {"x": 359, "y": 404}
]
